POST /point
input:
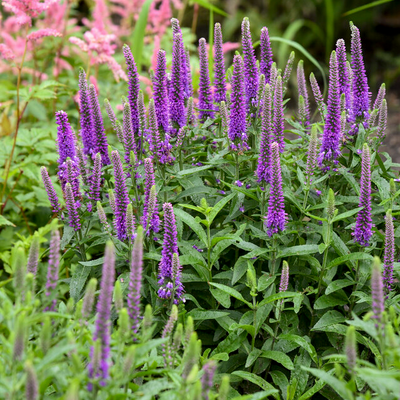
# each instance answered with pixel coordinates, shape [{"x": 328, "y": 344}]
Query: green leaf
[
  {"x": 191, "y": 171},
  {"x": 189, "y": 220},
  {"x": 339, "y": 284},
  {"x": 349, "y": 257},
  {"x": 347, "y": 214},
  {"x": 278, "y": 296},
  {"x": 5, "y": 221},
  {"x": 338, "y": 386},
  {"x": 78, "y": 281},
  {"x": 302, "y": 343},
  {"x": 299, "y": 250},
  {"x": 252, "y": 357},
  {"x": 219, "y": 206},
  {"x": 202, "y": 315},
  {"x": 365, "y": 6},
  {"x": 279, "y": 357},
  {"x": 222, "y": 297},
  {"x": 92, "y": 263},
  {"x": 331, "y": 300},
  {"x": 232, "y": 292},
  {"x": 331, "y": 317},
  {"x": 209, "y": 6},
  {"x": 139, "y": 33},
  {"x": 315, "y": 389},
  {"x": 257, "y": 380}
]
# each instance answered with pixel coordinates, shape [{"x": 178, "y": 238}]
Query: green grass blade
[
  {"x": 365, "y": 6},
  {"x": 209, "y": 6},
  {"x": 138, "y": 34}
]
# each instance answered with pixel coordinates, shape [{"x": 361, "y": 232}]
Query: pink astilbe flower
[
  {"x": 41, "y": 33},
  {"x": 6, "y": 52},
  {"x": 25, "y": 10},
  {"x": 100, "y": 49}
]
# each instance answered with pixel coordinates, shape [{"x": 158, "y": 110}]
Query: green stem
[
  {"x": 262, "y": 207},
  {"x": 273, "y": 259},
  {"x": 253, "y": 339},
  {"x": 209, "y": 251},
  {"x": 305, "y": 199},
  {"x": 82, "y": 249},
  {"x": 237, "y": 170}
]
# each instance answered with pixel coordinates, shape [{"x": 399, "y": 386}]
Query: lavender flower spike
[
  {"x": 344, "y": 80},
  {"x": 284, "y": 283},
  {"x": 167, "y": 331},
  {"x": 100, "y": 138},
  {"x": 302, "y": 88},
  {"x": 363, "y": 229},
  {"x": 65, "y": 144},
  {"x": 160, "y": 91},
  {"x": 51, "y": 193},
  {"x": 311, "y": 157},
  {"x": 170, "y": 246},
  {"x": 95, "y": 179},
  {"x": 264, "y": 160},
  {"x": 128, "y": 132},
  {"x": 287, "y": 72},
  {"x": 382, "y": 122},
  {"x": 31, "y": 386},
  {"x": 177, "y": 113},
  {"x": 70, "y": 203},
  {"x": 389, "y": 252},
  {"x": 33, "y": 258},
  {"x": 121, "y": 196},
  {"x": 330, "y": 148},
  {"x": 276, "y": 217},
  {"x": 86, "y": 115},
  {"x": 237, "y": 119},
  {"x": 219, "y": 66},
  {"x": 250, "y": 65},
  {"x": 377, "y": 103},
  {"x": 266, "y": 54},
  {"x": 135, "y": 280},
  {"x": 114, "y": 122},
  {"x": 177, "y": 279},
  {"x": 359, "y": 84},
  {"x": 378, "y": 302},
  {"x": 102, "y": 330},
  {"x": 189, "y": 86},
  {"x": 205, "y": 96},
  {"x": 150, "y": 220},
  {"x": 207, "y": 380},
  {"x": 278, "y": 115},
  {"x": 133, "y": 86},
  {"x": 317, "y": 96},
  {"x": 53, "y": 266}
]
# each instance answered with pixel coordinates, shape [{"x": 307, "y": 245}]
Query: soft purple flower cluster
[
  {"x": 276, "y": 217},
  {"x": 330, "y": 148},
  {"x": 103, "y": 323},
  {"x": 266, "y": 55},
  {"x": 205, "y": 96},
  {"x": 278, "y": 117},
  {"x": 219, "y": 66},
  {"x": 389, "y": 252},
  {"x": 53, "y": 267},
  {"x": 160, "y": 95},
  {"x": 363, "y": 229},
  {"x": 150, "y": 219}
]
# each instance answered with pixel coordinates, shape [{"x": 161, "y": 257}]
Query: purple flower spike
[
  {"x": 278, "y": 115},
  {"x": 150, "y": 219},
  {"x": 51, "y": 193},
  {"x": 65, "y": 144},
  {"x": 177, "y": 113},
  {"x": 317, "y": 96},
  {"x": 170, "y": 246},
  {"x": 86, "y": 114},
  {"x": 311, "y": 156},
  {"x": 363, "y": 229},
  {"x": 160, "y": 91},
  {"x": 344, "y": 81},
  {"x": 134, "y": 86},
  {"x": 205, "y": 96},
  {"x": 284, "y": 283},
  {"x": 264, "y": 160},
  {"x": 72, "y": 176},
  {"x": 121, "y": 196},
  {"x": 276, "y": 217},
  {"x": 70, "y": 203},
  {"x": 102, "y": 330},
  {"x": 135, "y": 280},
  {"x": 389, "y": 252},
  {"x": 250, "y": 65},
  {"x": 95, "y": 179},
  {"x": 189, "y": 87},
  {"x": 266, "y": 54},
  {"x": 207, "y": 380},
  {"x": 377, "y": 103},
  {"x": 378, "y": 302},
  {"x": 382, "y": 121},
  {"x": 237, "y": 119},
  {"x": 330, "y": 149},
  {"x": 359, "y": 84},
  {"x": 176, "y": 279},
  {"x": 128, "y": 133},
  {"x": 116, "y": 125},
  {"x": 219, "y": 66},
  {"x": 302, "y": 88},
  {"x": 52, "y": 270},
  {"x": 101, "y": 145}
]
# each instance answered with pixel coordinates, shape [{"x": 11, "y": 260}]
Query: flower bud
[
  {"x": 45, "y": 335},
  {"x": 31, "y": 387},
  {"x": 118, "y": 297},
  {"x": 88, "y": 300}
]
